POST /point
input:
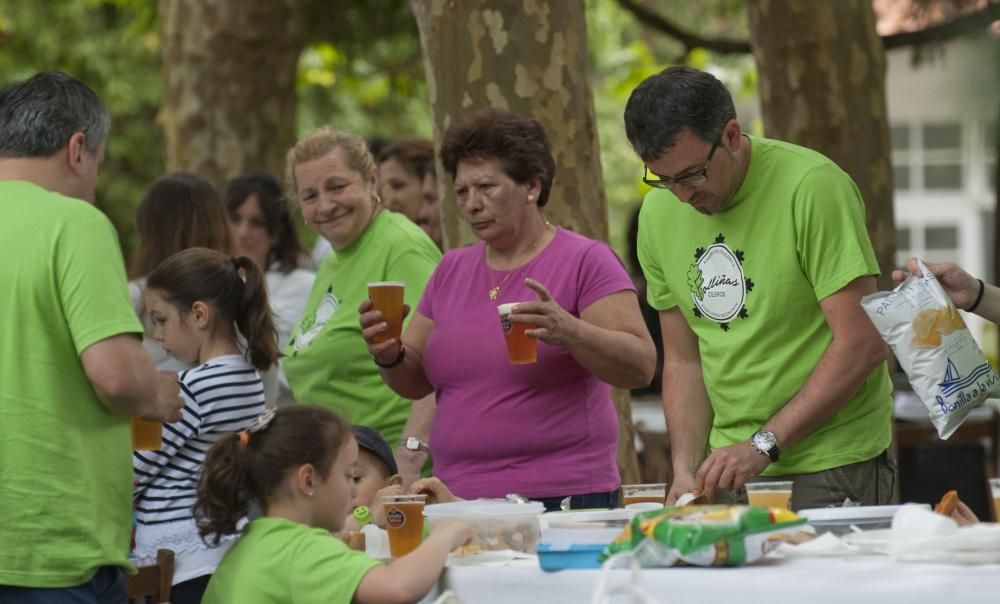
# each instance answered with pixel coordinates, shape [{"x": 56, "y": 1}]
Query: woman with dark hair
[
  {"x": 546, "y": 430},
  {"x": 179, "y": 211},
  {"x": 401, "y": 167},
  {"x": 264, "y": 231}
]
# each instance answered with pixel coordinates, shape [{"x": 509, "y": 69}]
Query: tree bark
[
  {"x": 822, "y": 86},
  {"x": 530, "y": 57},
  {"x": 229, "y": 94}
]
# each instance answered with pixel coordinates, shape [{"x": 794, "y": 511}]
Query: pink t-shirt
[{"x": 542, "y": 430}]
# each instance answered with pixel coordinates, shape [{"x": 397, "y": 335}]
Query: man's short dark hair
[
  {"x": 39, "y": 115},
  {"x": 676, "y": 98}
]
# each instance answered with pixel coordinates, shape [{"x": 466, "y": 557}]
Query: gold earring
[{"x": 531, "y": 198}]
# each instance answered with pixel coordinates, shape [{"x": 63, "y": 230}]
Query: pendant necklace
[{"x": 495, "y": 289}]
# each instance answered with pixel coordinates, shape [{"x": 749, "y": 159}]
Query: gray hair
[
  {"x": 39, "y": 115},
  {"x": 675, "y": 99}
]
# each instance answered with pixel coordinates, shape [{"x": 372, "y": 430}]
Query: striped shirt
[{"x": 221, "y": 396}]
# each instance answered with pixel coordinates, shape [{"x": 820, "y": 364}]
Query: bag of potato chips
[
  {"x": 704, "y": 535},
  {"x": 947, "y": 370}
]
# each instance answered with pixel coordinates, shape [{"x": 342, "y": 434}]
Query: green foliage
[
  {"x": 113, "y": 46},
  {"x": 622, "y": 54}
]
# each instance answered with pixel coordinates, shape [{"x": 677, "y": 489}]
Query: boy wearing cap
[{"x": 376, "y": 469}]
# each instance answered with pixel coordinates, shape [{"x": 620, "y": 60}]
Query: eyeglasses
[{"x": 693, "y": 179}]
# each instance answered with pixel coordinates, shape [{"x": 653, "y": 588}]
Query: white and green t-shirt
[
  {"x": 749, "y": 281},
  {"x": 327, "y": 361}
]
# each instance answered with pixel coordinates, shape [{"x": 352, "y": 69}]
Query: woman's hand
[
  {"x": 960, "y": 286},
  {"x": 553, "y": 325},
  {"x": 372, "y": 325}
]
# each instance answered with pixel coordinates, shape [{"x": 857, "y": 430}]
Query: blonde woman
[{"x": 333, "y": 178}]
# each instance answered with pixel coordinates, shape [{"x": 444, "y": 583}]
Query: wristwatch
[
  {"x": 414, "y": 444},
  {"x": 765, "y": 443}
]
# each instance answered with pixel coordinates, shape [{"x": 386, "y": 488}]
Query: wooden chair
[{"x": 152, "y": 583}]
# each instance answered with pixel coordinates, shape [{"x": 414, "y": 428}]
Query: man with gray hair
[
  {"x": 72, "y": 368},
  {"x": 756, "y": 257}
]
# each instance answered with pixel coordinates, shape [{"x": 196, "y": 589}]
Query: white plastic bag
[
  {"x": 926, "y": 332},
  {"x": 633, "y": 590}
]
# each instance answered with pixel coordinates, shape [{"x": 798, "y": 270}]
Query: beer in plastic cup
[
  {"x": 770, "y": 494},
  {"x": 146, "y": 435},
  {"x": 995, "y": 490},
  {"x": 643, "y": 493},
  {"x": 404, "y": 518},
  {"x": 387, "y": 297},
  {"x": 521, "y": 350}
]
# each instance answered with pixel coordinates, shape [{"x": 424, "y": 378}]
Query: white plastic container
[
  {"x": 499, "y": 525},
  {"x": 840, "y": 521}
]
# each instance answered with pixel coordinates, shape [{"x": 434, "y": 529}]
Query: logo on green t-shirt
[
  {"x": 313, "y": 324},
  {"x": 718, "y": 285}
]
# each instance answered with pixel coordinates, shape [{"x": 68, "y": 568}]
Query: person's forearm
[
  {"x": 619, "y": 358},
  {"x": 689, "y": 416},
  {"x": 419, "y": 425},
  {"x": 989, "y": 306},
  {"x": 840, "y": 373},
  {"x": 408, "y": 379},
  {"x": 417, "y": 573},
  {"x": 133, "y": 391}
]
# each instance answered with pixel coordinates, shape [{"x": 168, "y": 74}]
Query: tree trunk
[
  {"x": 229, "y": 94},
  {"x": 530, "y": 57},
  {"x": 822, "y": 86}
]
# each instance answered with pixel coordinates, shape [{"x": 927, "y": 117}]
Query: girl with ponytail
[
  {"x": 296, "y": 464},
  {"x": 209, "y": 310}
]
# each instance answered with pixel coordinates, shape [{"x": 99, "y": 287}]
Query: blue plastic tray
[{"x": 562, "y": 557}]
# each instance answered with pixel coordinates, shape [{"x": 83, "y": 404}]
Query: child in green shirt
[{"x": 297, "y": 463}]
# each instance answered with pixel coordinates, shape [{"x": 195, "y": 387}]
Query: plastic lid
[
  {"x": 482, "y": 508},
  {"x": 363, "y": 515},
  {"x": 851, "y": 514}
]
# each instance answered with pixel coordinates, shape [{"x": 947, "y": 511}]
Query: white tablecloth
[{"x": 851, "y": 580}]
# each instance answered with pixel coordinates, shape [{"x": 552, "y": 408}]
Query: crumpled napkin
[
  {"x": 826, "y": 544},
  {"x": 920, "y": 535}
]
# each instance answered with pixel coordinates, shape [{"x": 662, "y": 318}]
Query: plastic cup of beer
[
  {"x": 995, "y": 490},
  {"x": 147, "y": 435},
  {"x": 387, "y": 297},
  {"x": 643, "y": 493},
  {"x": 770, "y": 494},
  {"x": 521, "y": 350},
  {"x": 404, "y": 518}
]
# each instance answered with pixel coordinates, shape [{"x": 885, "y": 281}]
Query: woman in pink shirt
[{"x": 546, "y": 430}]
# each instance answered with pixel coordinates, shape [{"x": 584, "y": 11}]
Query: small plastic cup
[
  {"x": 404, "y": 516},
  {"x": 147, "y": 435},
  {"x": 770, "y": 494},
  {"x": 643, "y": 493},
  {"x": 387, "y": 297},
  {"x": 521, "y": 350}
]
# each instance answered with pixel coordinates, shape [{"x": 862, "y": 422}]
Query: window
[
  {"x": 942, "y": 155},
  {"x": 935, "y": 242},
  {"x": 927, "y": 156}
]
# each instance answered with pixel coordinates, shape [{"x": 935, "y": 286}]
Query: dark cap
[{"x": 371, "y": 441}]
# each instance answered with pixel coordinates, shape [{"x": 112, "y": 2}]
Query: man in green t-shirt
[
  {"x": 72, "y": 369},
  {"x": 756, "y": 257}
]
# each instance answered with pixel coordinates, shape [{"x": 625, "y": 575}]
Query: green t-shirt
[
  {"x": 327, "y": 360},
  {"x": 283, "y": 562},
  {"x": 65, "y": 459},
  {"x": 748, "y": 281}
]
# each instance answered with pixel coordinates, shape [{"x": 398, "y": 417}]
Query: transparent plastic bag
[{"x": 947, "y": 370}]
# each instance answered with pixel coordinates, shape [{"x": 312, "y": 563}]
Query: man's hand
[
  {"x": 729, "y": 468},
  {"x": 168, "y": 398},
  {"x": 683, "y": 483}
]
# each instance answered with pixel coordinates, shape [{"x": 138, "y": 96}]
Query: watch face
[{"x": 764, "y": 441}]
